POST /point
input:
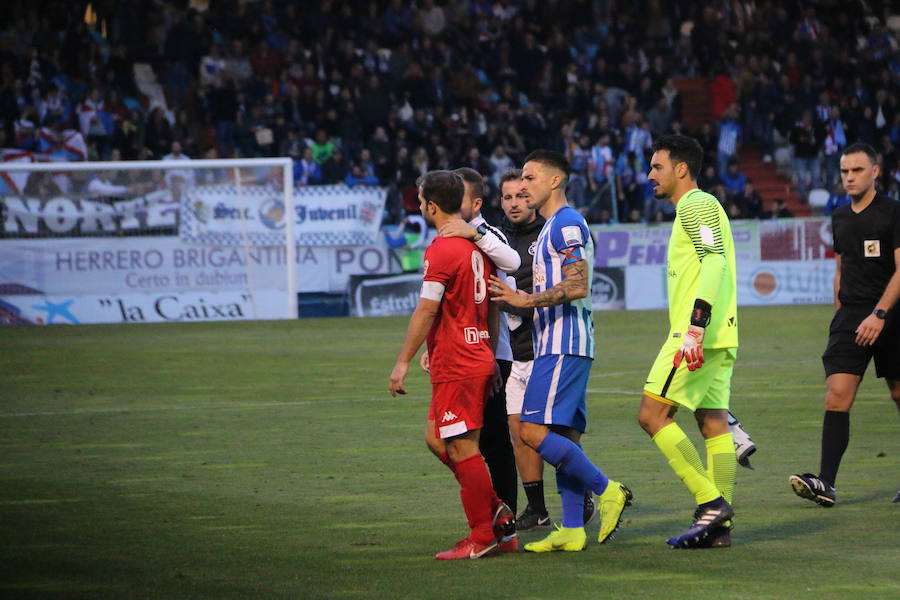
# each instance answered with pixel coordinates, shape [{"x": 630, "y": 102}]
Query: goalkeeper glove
[{"x": 691, "y": 348}]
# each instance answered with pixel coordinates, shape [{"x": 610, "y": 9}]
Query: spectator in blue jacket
[
  {"x": 729, "y": 138},
  {"x": 358, "y": 175},
  {"x": 839, "y": 197},
  {"x": 733, "y": 180},
  {"x": 306, "y": 170}
]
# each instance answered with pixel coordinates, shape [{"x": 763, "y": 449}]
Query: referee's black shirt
[
  {"x": 522, "y": 238},
  {"x": 866, "y": 243}
]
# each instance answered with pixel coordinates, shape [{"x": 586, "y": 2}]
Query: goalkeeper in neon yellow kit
[{"x": 694, "y": 366}]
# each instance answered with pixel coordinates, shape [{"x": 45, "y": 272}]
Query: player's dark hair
[
  {"x": 509, "y": 175},
  {"x": 473, "y": 178},
  {"x": 864, "y": 148},
  {"x": 444, "y": 188},
  {"x": 552, "y": 159},
  {"x": 682, "y": 148}
]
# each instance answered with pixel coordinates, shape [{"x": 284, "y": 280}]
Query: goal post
[{"x": 148, "y": 241}]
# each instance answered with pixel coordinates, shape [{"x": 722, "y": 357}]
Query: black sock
[
  {"x": 534, "y": 490},
  {"x": 718, "y": 502},
  {"x": 835, "y": 437},
  {"x": 497, "y": 448}
]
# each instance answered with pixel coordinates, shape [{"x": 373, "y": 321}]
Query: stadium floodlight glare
[{"x": 88, "y": 200}]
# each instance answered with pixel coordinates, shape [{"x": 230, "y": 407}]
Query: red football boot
[{"x": 469, "y": 548}]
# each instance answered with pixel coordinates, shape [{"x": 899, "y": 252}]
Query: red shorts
[{"x": 458, "y": 406}]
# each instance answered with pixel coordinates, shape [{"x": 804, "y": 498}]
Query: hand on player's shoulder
[{"x": 457, "y": 228}]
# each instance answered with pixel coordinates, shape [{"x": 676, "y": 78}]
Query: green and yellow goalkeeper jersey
[{"x": 702, "y": 234}]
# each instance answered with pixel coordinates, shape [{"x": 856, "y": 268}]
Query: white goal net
[{"x": 147, "y": 241}]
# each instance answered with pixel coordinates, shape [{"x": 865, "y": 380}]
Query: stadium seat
[
  {"x": 818, "y": 198},
  {"x": 893, "y": 23},
  {"x": 784, "y": 157}
]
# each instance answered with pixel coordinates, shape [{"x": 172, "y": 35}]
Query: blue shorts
[{"x": 556, "y": 391}]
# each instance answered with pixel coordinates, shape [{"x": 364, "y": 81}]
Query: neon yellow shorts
[{"x": 707, "y": 387}]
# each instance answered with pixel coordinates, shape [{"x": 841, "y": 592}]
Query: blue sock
[
  {"x": 572, "y": 492},
  {"x": 567, "y": 456}
]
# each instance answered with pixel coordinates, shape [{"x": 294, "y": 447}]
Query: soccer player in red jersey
[{"x": 459, "y": 321}]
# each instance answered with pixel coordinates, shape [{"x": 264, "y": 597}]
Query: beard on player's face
[
  {"x": 467, "y": 210},
  {"x": 533, "y": 203},
  {"x": 425, "y": 209},
  {"x": 537, "y": 194},
  {"x": 664, "y": 187},
  {"x": 467, "y": 206},
  {"x": 520, "y": 215}
]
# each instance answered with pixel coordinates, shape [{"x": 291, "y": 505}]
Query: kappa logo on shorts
[
  {"x": 448, "y": 416},
  {"x": 872, "y": 248}
]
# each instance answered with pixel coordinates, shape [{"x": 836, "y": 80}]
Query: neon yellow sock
[
  {"x": 685, "y": 461},
  {"x": 721, "y": 464}
]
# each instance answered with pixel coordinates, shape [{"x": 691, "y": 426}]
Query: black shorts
[{"x": 844, "y": 355}]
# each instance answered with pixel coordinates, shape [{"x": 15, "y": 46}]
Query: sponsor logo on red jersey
[{"x": 473, "y": 335}]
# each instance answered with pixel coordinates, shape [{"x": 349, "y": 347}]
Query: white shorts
[{"x": 515, "y": 385}]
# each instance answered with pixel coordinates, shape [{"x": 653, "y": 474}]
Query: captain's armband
[
  {"x": 701, "y": 314},
  {"x": 432, "y": 290}
]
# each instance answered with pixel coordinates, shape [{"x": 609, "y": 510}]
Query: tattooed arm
[{"x": 573, "y": 286}]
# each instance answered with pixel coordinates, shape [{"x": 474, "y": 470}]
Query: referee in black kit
[{"x": 866, "y": 322}]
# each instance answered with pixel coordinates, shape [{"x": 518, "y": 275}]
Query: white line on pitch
[{"x": 101, "y": 411}]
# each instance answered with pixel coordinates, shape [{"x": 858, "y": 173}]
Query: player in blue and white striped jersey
[
  {"x": 554, "y": 410},
  {"x": 563, "y": 328}
]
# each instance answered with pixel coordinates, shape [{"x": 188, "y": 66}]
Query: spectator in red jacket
[{"x": 722, "y": 92}]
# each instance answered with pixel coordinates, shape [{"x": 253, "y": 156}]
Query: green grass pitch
[{"x": 266, "y": 459}]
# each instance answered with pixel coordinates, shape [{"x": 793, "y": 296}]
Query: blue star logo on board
[{"x": 60, "y": 309}]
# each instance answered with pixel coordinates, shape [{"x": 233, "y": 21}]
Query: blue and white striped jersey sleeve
[{"x": 569, "y": 237}]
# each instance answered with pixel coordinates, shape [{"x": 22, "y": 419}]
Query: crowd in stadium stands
[{"x": 378, "y": 92}]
